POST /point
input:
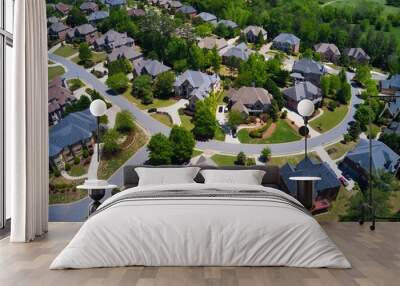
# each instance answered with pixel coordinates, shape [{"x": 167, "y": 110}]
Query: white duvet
[{"x": 191, "y": 231}]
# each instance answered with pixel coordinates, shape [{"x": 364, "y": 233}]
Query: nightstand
[
  {"x": 96, "y": 191},
  {"x": 305, "y": 190}
]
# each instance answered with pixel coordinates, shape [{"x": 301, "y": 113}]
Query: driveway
[
  {"x": 299, "y": 121},
  {"x": 173, "y": 110}
]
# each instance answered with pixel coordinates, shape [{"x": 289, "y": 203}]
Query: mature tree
[
  {"x": 241, "y": 159},
  {"x": 196, "y": 58},
  {"x": 110, "y": 142},
  {"x": 160, "y": 150},
  {"x": 118, "y": 82},
  {"x": 266, "y": 154},
  {"x": 354, "y": 129},
  {"x": 392, "y": 140},
  {"x": 120, "y": 21},
  {"x": 274, "y": 110},
  {"x": 363, "y": 75},
  {"x": 164, "y": 84},
  {"x": 76, "y": 18},
  {"x": 82, "y": 104},
  {"x": 271, "y": 86},
  {"x": 120, "y": 65},
  {"x": 204, "y": 121},
  {"x": 343, "y": 95},
  {"x": 85, "y": 53},
  {"x": 235, "y": 118},
  {"x": 214, "y": 59},
  {"x": 142, "y": 88},
  {"x": 124, "y": 121},
  {"x": 182, "y": 142},
  {"x": 176, "y": 49},
  {"x": 253, "y": 71},
  {"x": 204, "y": 29}
]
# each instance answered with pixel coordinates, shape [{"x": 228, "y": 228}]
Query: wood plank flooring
[{"x": 375, "y": 257}]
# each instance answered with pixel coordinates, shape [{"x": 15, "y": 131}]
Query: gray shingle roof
[
  {"x": 356, "y": 53},
  {"x": 88, "y": 6},
  {"x": 240, "y": 51},
  {"x": 394, "y": 127},
  {"x": 98, "y": 15},
  {"x": 228, "y": 23},
  {"x": 202, "y": 161},
  {"x": 186, "y": 9},
  {"x": 82, "y": 30},
  {"x": 72, "y": 129},
  {"x": 207, "y": 17},
  {"x": 325, "y": 47},
  {"x": 202, "y": 83},
  {"x": 308, "y": 66},
  {"x": 128, "y": 53},
  {"x": 309, "y": 167},
  {"x": 246, "y": 97},
  {"x": 287, "y": 38},
  {"x": 255, "y": 30},
  {"x": 211, "y": 42},
  {"x": 151, "y": 67},
  {"x": 114, "y": 39},
  {"x": 303, "y": 90},
  {"x": 53, "y": 19},
  {"x": 392, "y": 83},
  {"x": 114, "y": 2},
  {"x": 58, "y": 27},
  {"x": 383, "y": 158}
]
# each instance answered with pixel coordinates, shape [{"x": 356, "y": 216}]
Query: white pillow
[
  {"x": 247, "y": 177},
  {"x": 166, "y": 176}
]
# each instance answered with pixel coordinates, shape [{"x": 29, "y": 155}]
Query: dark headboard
[{"x": 271, "y": 178}]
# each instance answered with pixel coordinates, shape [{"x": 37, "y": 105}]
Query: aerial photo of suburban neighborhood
[{"x": 218, "y": 82}]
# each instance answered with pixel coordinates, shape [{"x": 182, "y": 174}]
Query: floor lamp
[
  {"x": 305, "y": 108},
  {"x": 369, "y": 206}
]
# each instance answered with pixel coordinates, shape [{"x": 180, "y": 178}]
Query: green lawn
[
  {"x": 375, "y": 130},
  {"x": 108, "y": 166},
  {"x": 157, "y": 103},
  {"x": 163, "y": 118},
  {"x": 223, "y": 160},
  {"x": 341, "y": 3},
  {"x": 75, "y": 84},
  {"x": 293, "y": 159},
  {"x": 55, "y": 71},
  {"x": 187, "y": 122},
  {"x": 196, "y": 153},
  {"x": 66, "y": 51},
  {"x": 283, "y": 133},
  {"x": 329, "y": 119},
  {"x": 96, "y": 58},
  {"x": 339, "y": 149},
  {"x": 77, "y": 170},
  {"x": 219, "y": 134}
]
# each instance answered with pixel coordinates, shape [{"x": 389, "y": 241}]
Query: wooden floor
[{"x": 375, "y": 257}]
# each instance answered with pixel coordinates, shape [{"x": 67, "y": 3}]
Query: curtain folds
[{"x": 27, "y": 124}]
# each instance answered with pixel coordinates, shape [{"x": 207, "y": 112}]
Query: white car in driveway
[{"x": 222, "y": 115}]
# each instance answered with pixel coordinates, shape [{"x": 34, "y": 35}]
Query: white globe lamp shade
[
  {"x": 305, "y": 108},
  {"x": 98, "y": 107}
]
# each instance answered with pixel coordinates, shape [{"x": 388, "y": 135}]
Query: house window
[{"x": 6, "y": 43}]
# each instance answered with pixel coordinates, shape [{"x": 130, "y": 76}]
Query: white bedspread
[{"x": 192, "y": 231}]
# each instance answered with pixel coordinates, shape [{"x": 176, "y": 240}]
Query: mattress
[{"x": 201, "y": 225}]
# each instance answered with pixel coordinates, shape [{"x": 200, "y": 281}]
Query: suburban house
[
  {"x": 125, "y": 52},
  {"x": 212, "y": 42},
  {"x": 63, "y": 8},
  {"x": 240, "y": 52},
  {"x": 328, "y": 52},
  {"x": 357, "y": 55},
  {"x": 202, "y": 161},
  {"x": 69, "y": 137},
  {"x": 302, "y": 90},
  {"x": 136, "y": 12},
  {"x": 52, "y": 20},
  {"x": 196, "y": 85},
  {"x": 85, "y": 32},
  {"x": 187, "y": 10},
  {"x": 114, "y": 3},
  {"x": 393, "y": 106},
  {"x": 288, "y": 43},
  {"x": 390, "y": 86},
  {"x": 174, "y": 5},
  {"x": 59, "y": 98},
  {"x": 111, "y": 40},
  {"x": 98, "y": 16},
  {"x": 311, "y": 70},
  {"x": 208, "y": 17},
  {"x": 250, "y": 101},
  {"x": 253, "y": 32},
  {"x": 394, "y": 127},
  {"x": 89, "y": 7},
  {"x": 58, "y": 31},
  {"x": 356, "y": 162},
  {"x": 325, "y": 189},
  {"x": 228, "y": 23},
  {"x": 149, "y": 67}
]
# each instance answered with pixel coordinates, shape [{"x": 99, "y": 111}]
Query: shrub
[
  {"x": 67, "y": 167},
  {"x": 124, "y": 122},
  {"x": 347, "y": 138},
  {"x": 57, "y": 173},
  {"x": 241, "y": 159},
  {"x": 77, "y": 160},
  {"x": 152, "y": 110},
  {"x": 250, "y": 162},
  {"x": 265, "y": 154},
  {"x": 284, "y": 114},
  {"x": 332, "y": 105},
  {"x": 85, "y": 153}
]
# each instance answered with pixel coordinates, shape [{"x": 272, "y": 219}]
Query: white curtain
[{"x": 27, "y": 124}]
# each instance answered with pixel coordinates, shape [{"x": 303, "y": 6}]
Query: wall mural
[{"x": 210, "y": 85}]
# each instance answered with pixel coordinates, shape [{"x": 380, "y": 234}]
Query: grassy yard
[
  {"x": 109, "y": 166},
  {"x": 219, "y": 134},
  {"x": 223, "y": 160},
  {"x": 196, "y": 153},
  {"x": 78, "y": 170},
  {"x": 163, "y": 118},
  {"x": 187, "y": 122},
  {"x": 157, "y": 103},
  {"x": 53, "y": 72},
  {"x": 339, "y": 149},
  {"x": 64, "y": 191},
  {"x": 282, "y": 133},
  {"x": 75, "y": 84},
  {"x": 375, "y": 130},
  {"x": 97, "y": 57},
  {"x": 66, "y": 51},
  {"x": 329, "y": 119},
  {"x": 338, "y": 207},
  {"x": 293, "y": 159}
]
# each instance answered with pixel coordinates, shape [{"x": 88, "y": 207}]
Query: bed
[{"x": 201, "y": 224}]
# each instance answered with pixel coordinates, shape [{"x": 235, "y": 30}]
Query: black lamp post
[{"x": 305, "y": 108}]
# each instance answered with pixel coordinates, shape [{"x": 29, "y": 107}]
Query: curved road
[
  {"x": 154, "y": 126},
  {"x": 77, "y": 211}
]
